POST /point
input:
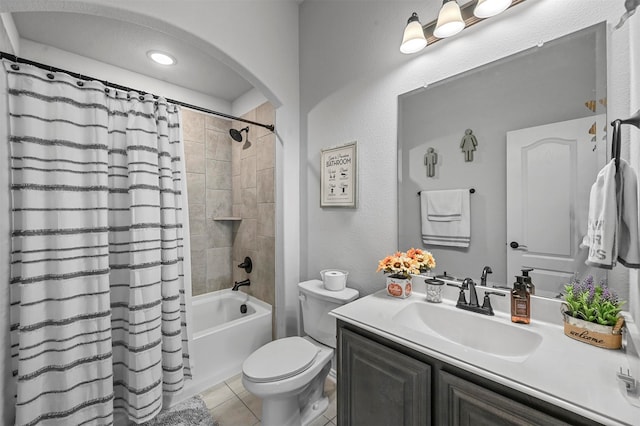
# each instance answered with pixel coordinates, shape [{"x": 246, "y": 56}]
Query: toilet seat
[{"x": 280, "y": 359}]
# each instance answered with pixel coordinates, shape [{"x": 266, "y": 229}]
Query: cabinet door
[
  {"x": 465, "y": 403},
  {"x": 380, "y": 386}
]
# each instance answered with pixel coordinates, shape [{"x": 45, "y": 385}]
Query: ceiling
[{"x": 125, "y": 45}]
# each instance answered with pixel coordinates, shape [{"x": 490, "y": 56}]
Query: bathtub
[{"x": 223, "y": 337}]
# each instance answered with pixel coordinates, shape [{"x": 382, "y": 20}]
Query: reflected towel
[
  {"x": 445, "y": 206},
  {"x": 455, "y": 233},
  {"x": 602, "y": 222},
  {"x": 628, "y": 233}
]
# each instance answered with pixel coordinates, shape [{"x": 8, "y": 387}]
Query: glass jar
[{"x": 434, "y": 290}]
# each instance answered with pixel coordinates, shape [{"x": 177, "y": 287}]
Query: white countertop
[{"x": 573, "y": 375}]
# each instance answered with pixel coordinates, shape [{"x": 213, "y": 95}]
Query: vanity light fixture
[
  {"x": 161, "y": 57},
  {"x": 452, "y": 19},
  {"x": 413, "y": 39}
]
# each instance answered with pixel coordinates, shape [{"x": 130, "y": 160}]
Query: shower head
[{"x": 236, "y": 135}]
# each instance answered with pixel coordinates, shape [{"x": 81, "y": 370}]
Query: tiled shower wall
[
  {"x": 231, "y": 179},
  {"x": 253, "y": 197}
]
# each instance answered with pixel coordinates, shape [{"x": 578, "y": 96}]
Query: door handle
[{"x": 516, "y": 246}]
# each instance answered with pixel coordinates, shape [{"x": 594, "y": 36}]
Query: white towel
[
  {"x": 628, "y": 235},
  {"x": 455, "y": 233},
  {"x": 445, "y": 206},
  {"x": 602, "y": 220}
]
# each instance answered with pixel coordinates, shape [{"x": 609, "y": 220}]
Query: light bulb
[
  {"x": 413, "y": 39},
  {"x": 450, "y": 20},
  {"x": 488, "y": 8}
]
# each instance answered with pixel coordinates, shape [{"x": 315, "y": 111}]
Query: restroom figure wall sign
[
  {"x": 430, "y": 161},
  {"x": 468, "y": 144}
]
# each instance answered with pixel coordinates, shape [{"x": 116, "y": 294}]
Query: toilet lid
[{"x": 280, "y": 359}]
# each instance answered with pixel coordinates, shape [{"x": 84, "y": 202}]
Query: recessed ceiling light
[{"x": 161, "y": 57}]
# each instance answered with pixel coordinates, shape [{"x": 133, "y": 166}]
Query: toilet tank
[{"x": 315, "y": 303}]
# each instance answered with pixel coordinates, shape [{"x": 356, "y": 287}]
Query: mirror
[{"x": 541, "y": 191}]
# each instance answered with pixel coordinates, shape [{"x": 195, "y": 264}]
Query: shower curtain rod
[{"x": 14, "y": 58}]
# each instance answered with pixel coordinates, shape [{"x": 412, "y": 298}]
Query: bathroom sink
[{"x": 483, "y": 333}]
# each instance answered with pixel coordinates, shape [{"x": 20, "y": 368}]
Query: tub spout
[{"x": 239, "y": 284}]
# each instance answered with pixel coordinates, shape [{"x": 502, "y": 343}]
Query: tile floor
[{"x": 231, "y": 405}]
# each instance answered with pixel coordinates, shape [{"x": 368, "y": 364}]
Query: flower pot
[
  {"x": 399, "y": 286},
  {"x": 602, "y": 336}
]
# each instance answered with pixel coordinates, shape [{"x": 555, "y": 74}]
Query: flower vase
[
  {"x": 602, "y": 336},
  {"x": 399, "y": 286}
]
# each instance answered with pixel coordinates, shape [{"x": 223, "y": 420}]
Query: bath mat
[{"x": 192, "y": 412}]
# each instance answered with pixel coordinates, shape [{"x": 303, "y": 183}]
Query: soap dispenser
[
  {"x": 521, "y": 301},
  {"x": 528, "y": 282}
]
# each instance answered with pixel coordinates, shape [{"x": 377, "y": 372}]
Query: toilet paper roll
[{"x": 334, "y": 280}]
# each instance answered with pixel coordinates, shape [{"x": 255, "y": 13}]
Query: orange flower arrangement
[{"x": 402, "y": 264}]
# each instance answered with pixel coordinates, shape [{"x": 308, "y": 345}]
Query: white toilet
[{"x": 289, "y": 373}]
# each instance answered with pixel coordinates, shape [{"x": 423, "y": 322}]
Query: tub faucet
[
  {"x": 238, "y": 284},
  {"x": 483, "y": 279}
]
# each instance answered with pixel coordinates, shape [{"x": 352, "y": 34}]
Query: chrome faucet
[
  {"x": 238, "y": 284},
  {"x": 483, "y": 278}
]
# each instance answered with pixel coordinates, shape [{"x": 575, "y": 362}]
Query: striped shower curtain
[{"x": 98, "y": 321}]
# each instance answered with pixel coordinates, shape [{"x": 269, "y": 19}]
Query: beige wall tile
[
  {"x": 198, "y": 242},
  {"x": 265, "y": 152},
  {"x": 192, "y": 125},
  {"x": 265, "y": 184},
  {"x": 217, "y": 123},
  {"x": 218, "y": 203},
  {"x": 196, "y": 190},
  {"x": 266, "y": 219},
  {"x": 236, "y": 189},
  {"x": 219, "y": 234},
  {"x": 198, "y": 272},
  {"x": 265, "y": 113},
  {"x": 197, "y": 219},
  {"x": 247, "y": 233},
  {"x": 218, "y": 174},
  {"x": 218, "y": 145},
  {"x": 266, "y": 268},
  {"x": 236, "y": 157},
  {"x": 218, "y": 268},
  {"x": 249, "y": 204},
  {"x": 248, "y": 173},
  {"x": 236, "y": 210},
  {"x": 194, "y": 156}
]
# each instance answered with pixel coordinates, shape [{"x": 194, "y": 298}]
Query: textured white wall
[{"x": 351, "y": 77}]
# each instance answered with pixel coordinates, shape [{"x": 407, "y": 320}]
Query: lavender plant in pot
[{"x": 592, "y": 313}]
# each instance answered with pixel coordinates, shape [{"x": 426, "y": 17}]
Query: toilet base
[
  {"x": 297, "y": 409},
  {"x": 314, "y": 411}
]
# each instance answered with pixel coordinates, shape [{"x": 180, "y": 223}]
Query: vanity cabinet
[
  {"x": 465, "y": 403},
  {"x": 384, "y": 386},
  {"x": 383, "y": 383}
]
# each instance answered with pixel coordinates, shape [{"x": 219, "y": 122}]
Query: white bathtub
[{"x": 223, "y": 337}]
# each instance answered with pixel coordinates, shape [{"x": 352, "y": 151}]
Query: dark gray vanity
[
  {"x": 384, "y": 383},
  {"x": 412, "y": 362}
]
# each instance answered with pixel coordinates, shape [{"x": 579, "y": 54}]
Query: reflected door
[{"x": 550, "y": 170}]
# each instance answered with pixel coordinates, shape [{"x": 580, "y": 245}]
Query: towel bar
[{"x": 471, "y": 190}]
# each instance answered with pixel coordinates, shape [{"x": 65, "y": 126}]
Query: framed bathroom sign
[{"x": 339, "y": 176}]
